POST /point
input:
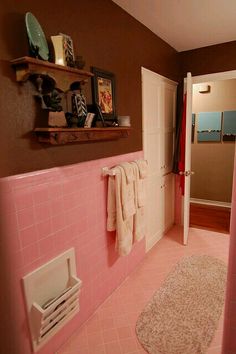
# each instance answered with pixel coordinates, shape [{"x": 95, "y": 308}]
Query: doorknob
[{"x": 186, "y": 173}]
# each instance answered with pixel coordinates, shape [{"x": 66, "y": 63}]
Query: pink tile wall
[
  {"x": 229, "y": 343},
  {"x": 45, "y": 213}
]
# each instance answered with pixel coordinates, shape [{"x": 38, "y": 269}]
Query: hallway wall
[{"x": 213, "y": 162}]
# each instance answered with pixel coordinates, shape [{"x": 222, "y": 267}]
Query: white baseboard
[{"x": 210, "y": 202}]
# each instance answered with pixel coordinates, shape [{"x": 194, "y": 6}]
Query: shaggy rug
[{"x": 183, "y": 314}]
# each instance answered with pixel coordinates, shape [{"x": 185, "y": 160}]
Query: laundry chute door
[{"x": 187, "y": 173}]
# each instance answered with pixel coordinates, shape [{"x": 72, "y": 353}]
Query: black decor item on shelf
[
  {"x": 100, "y": 115},
  {"x": 79, "y": 109},
  {"x": 79, "y": 62},
  {"x": 53, "y": 101},
  {"x": 78, "y": 114}
]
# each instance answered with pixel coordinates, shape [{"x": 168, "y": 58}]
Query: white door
[
  {"x": 152, "y": 112},
  {"x": 158, "y": 113},
  {"x": 187, "y": 172},
  {"x": 169, "y": 192}
]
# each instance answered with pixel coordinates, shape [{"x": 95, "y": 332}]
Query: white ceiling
[{"x": 186, "y": 24}]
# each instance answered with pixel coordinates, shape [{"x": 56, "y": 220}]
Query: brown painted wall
[
  {"x": 212, "y": 59},
  {"x": 108, "y": 38}
]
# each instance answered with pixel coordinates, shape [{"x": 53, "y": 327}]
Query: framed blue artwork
[
  {"x": 229, "y": 126},
  {"x": 209, "y": 126}
]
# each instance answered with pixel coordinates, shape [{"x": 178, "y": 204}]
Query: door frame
[
  {"x": 224, "y": 75},
  {"x": 198, "y": 79}
]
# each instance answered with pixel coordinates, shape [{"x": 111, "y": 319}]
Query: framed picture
[
  {"x": 103, "y": 89},
  {"x": 209, "y": 126},
  {"x": 229, "y": 126}
]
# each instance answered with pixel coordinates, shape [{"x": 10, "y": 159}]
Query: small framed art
[{"x": 103, "y": 89}]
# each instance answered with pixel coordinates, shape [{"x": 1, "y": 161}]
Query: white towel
[
  {"x": 115, "y": 220},
  {"x": 143, "y": 168},
  {"x": 127, "y": 190},
  {"x": 129, "y": 171},
  {"x": 111, "y": 204},
  {"x": 143, "y": 172},
  {"x": 139, "y": 217},
  {"x": 124, "y": 227}
]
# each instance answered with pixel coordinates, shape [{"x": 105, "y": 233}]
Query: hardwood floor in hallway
[
  {"x": 111, "y": 330},
  {"x": 210, "y": 217}
]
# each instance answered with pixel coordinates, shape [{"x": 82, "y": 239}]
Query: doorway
[
  {"x": 188, "y": 84},
  {"x": 212, "y": 152}
]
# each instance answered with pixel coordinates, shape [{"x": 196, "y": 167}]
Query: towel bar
[{"x": 106, "y": 171}]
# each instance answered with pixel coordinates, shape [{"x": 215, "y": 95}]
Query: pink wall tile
[
  {"x": 30, "y": 253},
  {"x": 44, "y": 228},
  {"x": 23, "y": 199},
  {"x": 46, "y": 212},
  {"x": 42, "y": 211},
  {"x": 25, "y": 218},
  {"x": 28, "y": 236}
]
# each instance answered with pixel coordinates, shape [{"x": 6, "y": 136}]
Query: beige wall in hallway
[{"x": 213, "y": 162}]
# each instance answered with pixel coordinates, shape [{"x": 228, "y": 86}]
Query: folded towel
[
  {"x": 143, "y": 171},
  {"x": 129, "y": 171},
  {"x": 139, "y": 217},
  {"x": 127, "y": 190},
  {"x": 111, "y": 204},
  {"x": 143, "y": 168},
  {"x": 124, "y": 227}
]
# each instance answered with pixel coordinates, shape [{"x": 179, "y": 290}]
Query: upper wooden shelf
[
  {"x": 59, "y": 136},
  {"x": 63, "y": 75}
]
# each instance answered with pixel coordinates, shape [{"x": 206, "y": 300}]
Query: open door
[{"x": 187, "y": 173}]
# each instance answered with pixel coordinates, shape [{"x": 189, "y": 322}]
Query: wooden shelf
[
  {"x": 60, "y": 136},
  {"x": 63, "y": 75}
]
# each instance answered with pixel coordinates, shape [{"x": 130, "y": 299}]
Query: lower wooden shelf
[{"x": 60, "y": 136}]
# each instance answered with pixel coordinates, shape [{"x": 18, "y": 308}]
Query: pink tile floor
[{"x": 111, "y": 330}]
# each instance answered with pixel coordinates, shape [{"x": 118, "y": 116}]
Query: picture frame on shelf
[
  {"x": 103, "y": 90},
  {"x": 89, "y": 120}
]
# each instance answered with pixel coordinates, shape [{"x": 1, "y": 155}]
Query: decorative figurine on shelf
[
  {"x": 53, "y": 100},
  {"x": 56, "y": 116},
  {"x": 78, "y": 106},
  {"x": 79, "y": 62}
]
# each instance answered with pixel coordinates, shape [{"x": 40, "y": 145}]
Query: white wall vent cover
[{"x": 51, "y": 296}]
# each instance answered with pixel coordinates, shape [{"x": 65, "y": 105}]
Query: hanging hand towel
[
  {"x": 111, "y": 204},
  {"x": 142, "y": 174},
  {"x": 139, "y": 217},
  {"x": 124, "y": 226},
  {"x": 127, "y": 190},
  {"x": 143, "y": 168}
]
